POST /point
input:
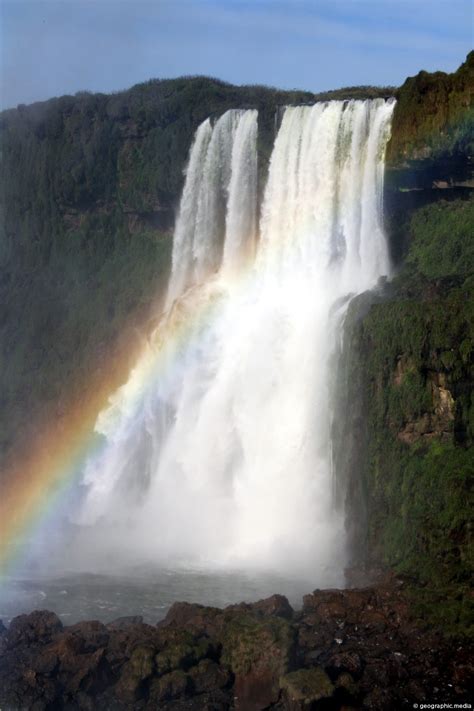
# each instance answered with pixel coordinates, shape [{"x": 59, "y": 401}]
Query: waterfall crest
[{"x": 218, "y": 447}]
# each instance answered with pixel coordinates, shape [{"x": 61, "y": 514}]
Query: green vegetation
[
  {"x": 443, "y": 246},
  {"x": 434, "y": 115},
  {"x": 61, "y": 323},
  {"x": 408, "y": 370}
]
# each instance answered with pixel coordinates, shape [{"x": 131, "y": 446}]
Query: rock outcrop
[{"x": 346, "y": 649}]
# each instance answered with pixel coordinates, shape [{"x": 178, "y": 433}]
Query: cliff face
[
  {"x": 404, "y": 447},
  {"x": 430, "y": 154}
]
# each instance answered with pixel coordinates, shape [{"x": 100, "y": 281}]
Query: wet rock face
[{"x": 346, "y": 649}]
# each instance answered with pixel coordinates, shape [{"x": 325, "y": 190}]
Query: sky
[{"x": 54, "y": 47}]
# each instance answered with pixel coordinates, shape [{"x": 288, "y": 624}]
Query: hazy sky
[{"x": 54, "y": 47}]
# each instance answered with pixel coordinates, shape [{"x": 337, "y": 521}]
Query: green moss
[
  {"x": 183, "y": 653},
  {"x": 423, "y": 510},
  {"x": 406, "y": 453},
  {"x": 307, "y": 686},
  {"x": 249, "y": 643},
  {"x": 449, "y": 608},
  {"x": 443, "y": 245}
]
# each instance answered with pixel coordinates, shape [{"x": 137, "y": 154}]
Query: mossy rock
[
  {"x": 305, "y": 687},
  {"x": 170, "y": 686},
  {"x": 183, "y": 653},
  {"x": 249, "y": 644},
  {"x": 135, "y": 673},
  {"x": 346, "y": 682},
  {"x": 208, "y": 676}
]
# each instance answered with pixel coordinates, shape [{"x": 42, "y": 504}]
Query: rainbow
[{"x": 36, "y": 487}]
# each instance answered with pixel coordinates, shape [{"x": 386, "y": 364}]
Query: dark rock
[
  {"x": 135, "y": 672},
  {"x": 38, "y": 626},
  {"x": 274, "y": 606},
  {"x": 258, "y": 652},
  {"x": 311, "y": 602},
  {"x": 346, "y": 682},
  {"x": 208, "y": 676},
  {"x": 183, "y": 651},
  {"x": 207, "y": 620},
  {"x": 376, "y": 673},
  {"x": 122, "y": 623},
  {"x": 170, "y": 686},
  {"x": 89, "y": 674},
  {"x": 122, "y": 642},
  {"x": 346, "y": 662},
  {"x": 94, "y": 634},
  {"x": 378, "y": 700},
  {"x": 46, "y": 662},
  {"x": 373, "y": 619},
  {"x": 350, "y": 649}
]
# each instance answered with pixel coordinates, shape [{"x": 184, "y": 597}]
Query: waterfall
[
  {"x": 219, "y": 202},
  {"x": 218, "y": 447}
]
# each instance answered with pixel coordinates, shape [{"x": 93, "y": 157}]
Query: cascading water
[{"x": 218, "y": 448}]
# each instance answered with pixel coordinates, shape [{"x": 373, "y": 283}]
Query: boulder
[
  {"x": 303, "y": 688},
  {"x": 38, "y": 626},
  {"x": 170, "y": 686},
  {"x": 122, "y": 642},
  {"x": 135, "y": 672},
  {"x": 258, "y": 652},
  {"x": 193, "y": 617},
  {"x": 274, "y": 606},
  {"x": 93, "y": 634},
  {"x": 378, "y": 700},
  {"x": 313, "y": 600},
  {"x": 208, "y": 676},
  {"x": 350, "y": 662},
  {"x": 183, "y": 651},
  {"x": 373, "y": 619},
  {"x": 88, "y": 674},
  {"x": 123, "y": 623},
  {"x": 347, "y": 685}
]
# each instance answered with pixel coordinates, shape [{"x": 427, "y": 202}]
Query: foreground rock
[{"x": 349, "y": 649}]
